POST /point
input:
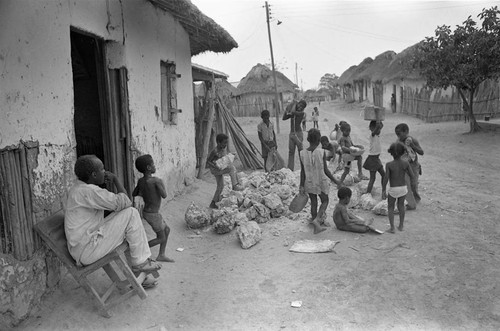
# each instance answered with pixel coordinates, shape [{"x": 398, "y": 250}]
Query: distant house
[
  {"x": 371, "y": 79},
  {"x": 111, "y": 78},
  {"x": 256, "y": 91},
  {"x": 374, "y": 81}
]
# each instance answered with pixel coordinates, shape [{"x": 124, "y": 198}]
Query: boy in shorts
[
  {"x": 152, "y": 190},
  {"x": 395, "y": 172}
]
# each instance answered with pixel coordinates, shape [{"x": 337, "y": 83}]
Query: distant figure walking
[{"x": 315, "y": 117}]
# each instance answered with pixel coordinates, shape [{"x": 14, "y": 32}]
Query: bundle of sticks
[{"x": 249, "y": 155}]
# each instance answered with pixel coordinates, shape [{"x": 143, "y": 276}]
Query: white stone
[{"x": 249, "y": 234}]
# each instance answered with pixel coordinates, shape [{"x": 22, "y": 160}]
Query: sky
[{"x": 316, "y": 37}]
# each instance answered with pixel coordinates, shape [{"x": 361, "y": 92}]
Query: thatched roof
[
  {"x": 344, "y": 78},
  {"x": 397, "y": 69},
  {"x": 360, "y": 68},
  {"x": 375, "y": 71},
  {"x": 204, "y": 33},
  {"x": 260, "y": 80}
]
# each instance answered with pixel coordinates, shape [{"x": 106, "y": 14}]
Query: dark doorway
[
  {"x": 87, "y": 102},
  {"x": 102, "y": 120}
]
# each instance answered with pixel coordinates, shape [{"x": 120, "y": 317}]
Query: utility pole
[
  {"x": 276, "y": 96},
  {"x": 296, "y": 75}
]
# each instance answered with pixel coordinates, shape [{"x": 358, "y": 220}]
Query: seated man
[{"x": 90, "y": 235}]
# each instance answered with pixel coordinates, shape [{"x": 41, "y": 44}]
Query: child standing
[
  {"x": 152, "y": 190},
  {"x": 218, "y": 152},
  {"x": 412, "y": 148},
  {"x": 395, "y": 172},
  {"x": 315, "y": 117},
  {"x": 346, "y": 143},
  {"x": 266, "y": 134},
  {"x": 314, "y": 175},
  {"x": 343, "y": 219},
  {"x": 372, "y": 162}
]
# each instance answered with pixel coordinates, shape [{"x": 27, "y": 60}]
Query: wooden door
[{"x": 118, "y": 127}]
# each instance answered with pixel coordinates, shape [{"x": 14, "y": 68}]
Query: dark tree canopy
[
  {"x": 463, "y": 58},
  {"x": 329, "y": 81}
]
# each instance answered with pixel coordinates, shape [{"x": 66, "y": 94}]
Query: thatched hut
[
  {"x": 256, "y": 91},
  {"x": 347, "y": 92},
  {"x": 358, "y": 84},
  {"x": 370, "y": 78}
]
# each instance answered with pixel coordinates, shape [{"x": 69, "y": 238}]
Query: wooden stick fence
[{"x": 17, "y": 216}]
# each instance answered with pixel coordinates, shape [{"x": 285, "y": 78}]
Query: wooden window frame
[{"x": 169, "y": 109}]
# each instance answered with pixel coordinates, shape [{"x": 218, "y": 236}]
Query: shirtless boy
[
  {"x": 395, "y": 172},
  {"x": 345, "y": 220},
  {"x": 152, "y": 190}
]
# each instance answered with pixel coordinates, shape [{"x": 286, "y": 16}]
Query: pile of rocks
[{"x": 266, "y": 196}]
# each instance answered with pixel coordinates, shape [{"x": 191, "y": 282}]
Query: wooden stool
[{"x": 124, "y": 283}]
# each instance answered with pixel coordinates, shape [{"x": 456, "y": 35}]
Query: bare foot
[
  {"x": 163, "y": 258},
  {"x": 391, "y": 230},
  {"x": 400, "y": 228}
]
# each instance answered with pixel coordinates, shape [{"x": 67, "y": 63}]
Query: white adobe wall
[
  {"x": 36, "y": 101},
  {"x": 151, "y": 38}
]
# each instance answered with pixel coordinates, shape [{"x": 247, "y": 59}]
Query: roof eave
[{"x": 204, "y": 33}]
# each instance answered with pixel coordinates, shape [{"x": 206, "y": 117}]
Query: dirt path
[{"x": 441, "y": 273}]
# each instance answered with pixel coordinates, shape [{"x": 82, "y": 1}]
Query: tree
[
  {"x": 463, "y": 58},
  {"x": 331, "y": 83}
]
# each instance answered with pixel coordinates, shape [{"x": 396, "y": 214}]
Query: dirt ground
[{"x": 441, "y": 273}]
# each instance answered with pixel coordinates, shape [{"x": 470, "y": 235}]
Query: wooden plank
[
  {"x": 28, "y": 205},
  {"x": 32, "y": 152},
  {"x": 4, "y": 237},
  {"x": 14, "y": 207},
  {"x": 9, "y": 212},
  {"x": 208, "y": 132},
  {"x": 21, "y": 235},
  {"x": 126, "y": 135}
]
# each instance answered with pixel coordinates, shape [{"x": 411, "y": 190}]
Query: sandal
[
  {"x": 149, "y": 282},
  {"x": 148, "y": 266}
]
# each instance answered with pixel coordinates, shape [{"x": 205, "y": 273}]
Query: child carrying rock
[{"x": 219, "y": 152}]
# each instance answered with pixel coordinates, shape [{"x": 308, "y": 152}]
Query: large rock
[
  {"x": 249, "y": 233},
  {"x": 218, "y": 213},
  {"x": 263, "y": 213},
  {"x": 367, "y": 202},
  {"x": 283, "y": 191},
  {"x": 254, "y": 197},
  {"x": 247, "y": 203},
  {"x": 230, "y": 201},
  {"x": 279, "y": 211},
  {"x": 196, "y": 217},
  {"x": 225, "y": 224},
  {"x": 272, "y": 201},
  {"x": 382, "y": 209},
  {"x": 251, "y": 213}
]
